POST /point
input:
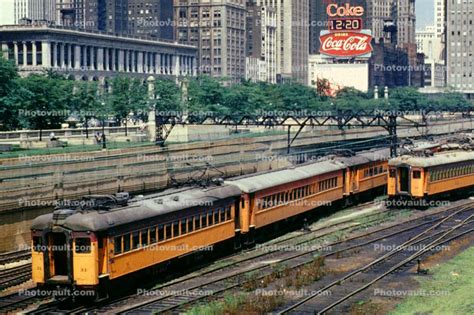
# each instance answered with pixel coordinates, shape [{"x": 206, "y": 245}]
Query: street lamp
[{"x": 104, "y": 145}]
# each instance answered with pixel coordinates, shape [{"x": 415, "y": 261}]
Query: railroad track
[
  {"x": 185, "y": 292},
  {"x": 10, "y": 257},
  {"x": 339, "y": 225},
  {"x": 14, "y": 276},
  {"x": 360, "y": 279},
  {"x": 18, "y": 301}
]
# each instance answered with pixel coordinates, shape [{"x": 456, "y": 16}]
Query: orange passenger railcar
[
  {"x": 419, "y": 177},
  {"x": 95, "y": 246},
  {"x": 279, "y": 195},
  {"x": 88, "y": 249}
]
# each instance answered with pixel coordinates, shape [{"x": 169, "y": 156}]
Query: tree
[
  {"x": 168, "y": 95},
  {"x": 44, "y": 104},
  {"x": 206, "y": 94},
  {"x": 408, "y": 99},
  {"x": 8, "y": 97},
  {"x": 128, "y": 96},
  {"x": 85, "y": 101}
]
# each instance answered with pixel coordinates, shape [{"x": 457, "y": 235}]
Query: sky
[
  {"x": 424, "y": 12},
  {"x": 6, "y": 12}
]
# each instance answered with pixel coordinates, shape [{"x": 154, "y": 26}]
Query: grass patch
[
  {"x": 448, "y": 291},
  {"x": 239, "y": 304}
]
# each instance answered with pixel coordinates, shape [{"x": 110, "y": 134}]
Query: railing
[{"x": 65, "y": 133}]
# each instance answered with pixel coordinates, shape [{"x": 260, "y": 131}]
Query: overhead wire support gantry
[{"x": 389, "y": 120}]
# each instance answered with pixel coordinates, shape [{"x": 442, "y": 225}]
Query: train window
[
  {"x": 416, "y": 174},
  {"x": 83, "y": 245},
  {"x": 190, "y": 225},
  {"x": 175, "y": 229},
  {"x": 37, "y": 243},
  {"x": 161, "y": 233},
  {"x": 210, "y": 218},
  {"x": 392, "y": 173},
  {"x": 153, "y": 235},
  {"x": 117, "y": 244},
  {"x": 144, "y": 237},
  {"x": 222, "y": 214},
  {"x": 168, "y": 231},
  {"x": 197, "y": 223},
  {"x": 228, "y": 213},
  {"x": 126, "y": 242},
  {"x": 135, "y": 240},
  {"x": 183, "y": 226},
  {"x": 203, "y": 220},
  {"x": 216, "y": 216},
  {"x": 242, "y": 203}
]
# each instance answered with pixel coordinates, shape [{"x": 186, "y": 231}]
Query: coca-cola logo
[{"x": 345, "y": 44}]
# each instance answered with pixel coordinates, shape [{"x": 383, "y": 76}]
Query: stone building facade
[{"x": 92, "y": 55}]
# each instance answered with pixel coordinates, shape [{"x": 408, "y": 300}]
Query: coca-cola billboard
[{"x": 345, "y": 44}]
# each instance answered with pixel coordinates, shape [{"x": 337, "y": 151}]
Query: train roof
[
  {"x": 366, "y": 157},
  {"x": 253, "y": 183},
  {"x": 142, "y": 209},
  {"x": 268, "y": 180},
  {"x": 441, "y": 158}
]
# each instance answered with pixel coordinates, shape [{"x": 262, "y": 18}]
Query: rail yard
[{"x": 314, "y": 237}]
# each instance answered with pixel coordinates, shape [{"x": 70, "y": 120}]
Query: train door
[
  {"x": 404, "y": 178},
  {"x": 59, "y": 254}
]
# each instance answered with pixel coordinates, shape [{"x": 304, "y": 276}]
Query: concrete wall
[{"x": 30, "y": 185}]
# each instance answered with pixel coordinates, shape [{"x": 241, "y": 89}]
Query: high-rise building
[
  {"x": 394, "y": 21},
  {"x": 34, "y": 10},
  {"x": 292, "y": 35},
  {"x": 426, "y": 42},
  {"x": 98, "y": 15},
  {"x": 71, "y": 13},
  {"x": 217, "y": 28},
  {"x": 261, "y": 63},
  {"x": 459, "y": 46},
  {"x": 379, "y": 15},
  {"x": 440, "y": 25},
  {"x": 152, "y": 18}
]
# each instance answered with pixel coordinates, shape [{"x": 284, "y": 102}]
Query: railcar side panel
[
  {"x": 392, "y": 181},
  {"x": 85, "y": 260},
  {"x": 417, "y": 179},
  {"x": 279, "y": 203},
  {"x": 143, "y": 257},
  {"x": 449, "y": 184},
  {"x": 37, "y": 259},
  {"x": 371, "y": 176}
]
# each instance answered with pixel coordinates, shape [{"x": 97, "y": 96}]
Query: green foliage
[
  {"x": 52, "y": 93},
  {"x": 168, "y": 95},
  {"x": 205, "y": 94},
  {"x": 8, "y": 86},
  {"x": 408, "y": 98},
  {"x": 128, "y": 96},
  {"x": 43, "y": 102}
]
